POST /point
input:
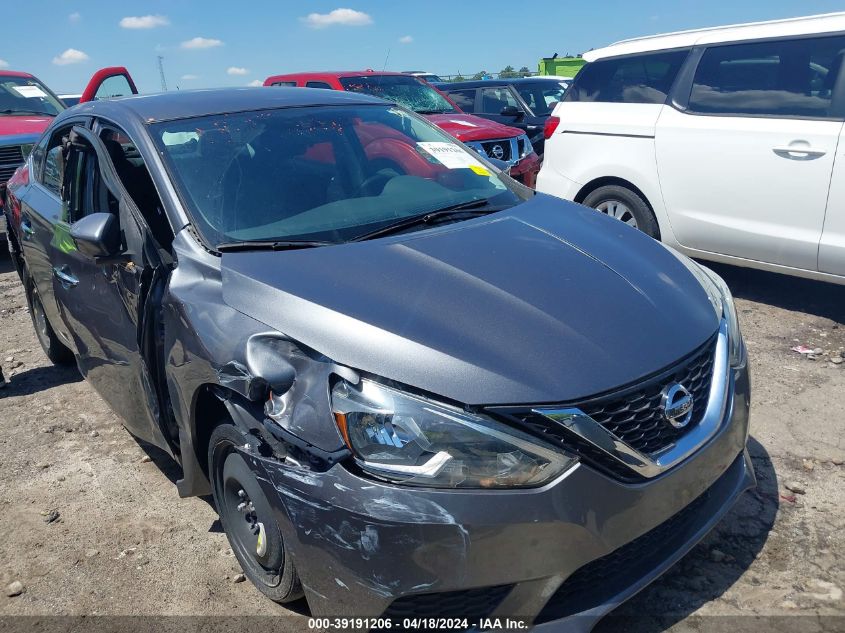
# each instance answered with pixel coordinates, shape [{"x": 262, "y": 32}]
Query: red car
[
  {"x": 487, "y": 137},
  {"x": 27, "y": 107}
]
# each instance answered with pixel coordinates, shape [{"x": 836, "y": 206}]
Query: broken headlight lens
[{"x": 405, "y": 438}]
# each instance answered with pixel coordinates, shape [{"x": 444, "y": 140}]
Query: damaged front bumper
[{"x": 369, "y": 548}]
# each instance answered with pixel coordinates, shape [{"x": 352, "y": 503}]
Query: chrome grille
[
  {"x": 633, "y": 414},
  {"x": 11, "y": 154},
  {"x": 11, "y": 157}
]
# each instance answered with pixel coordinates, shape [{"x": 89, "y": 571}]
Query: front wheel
[
  {"x": 248, "y": 519},
  {"x": 625, "y": 205}
]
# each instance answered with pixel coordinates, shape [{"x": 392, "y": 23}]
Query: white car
[{"x": 720, "y": 142}]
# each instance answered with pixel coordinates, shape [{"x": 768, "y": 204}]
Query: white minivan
[{"x": 723, "y": 142}]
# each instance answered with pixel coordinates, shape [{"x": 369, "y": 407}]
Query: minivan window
[
  {"x": 775, "y": 78},
  {"x": 631, "y": 79},
  {"x": 327, "y": 173}
]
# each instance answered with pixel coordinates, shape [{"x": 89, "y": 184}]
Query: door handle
[
  {"x": 63, "y": 274},
  {"x": 805, "y": 151},
  {"x": 26, "y": 228}
]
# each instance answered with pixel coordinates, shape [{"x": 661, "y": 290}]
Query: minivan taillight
[{"x": 550, "y": 126}]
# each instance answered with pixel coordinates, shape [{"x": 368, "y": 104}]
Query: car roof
[
  {"x": 812, "y": 24},
  {"x": 15, "y": 73},
  {"x": 181, "y": 104},
  {"x": 337, "y": 74},
  {"x": 482, "y": 83}
]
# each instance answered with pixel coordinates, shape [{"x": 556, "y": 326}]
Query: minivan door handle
[
  {"x": 26, "y": 228},
  {"x": 798, "y": 151},
  {"x": 63, "y": 274}
]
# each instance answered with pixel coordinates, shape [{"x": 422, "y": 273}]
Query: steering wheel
[{"x": 367, "y": 187}]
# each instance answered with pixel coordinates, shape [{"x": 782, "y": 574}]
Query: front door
[
  {"x": 745, "y": 170},
  {"x": 102, "y": 301}
]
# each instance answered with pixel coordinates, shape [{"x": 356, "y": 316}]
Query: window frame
[
  {"x": 39, "y": 162},
  {"x": 679, "y": 96}
]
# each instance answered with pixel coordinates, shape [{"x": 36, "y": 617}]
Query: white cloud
[
  {"x": 406, "y": 39},
  {"x": 74, "y": 17},
  {"x": 201, "y": 42},
  {"x": 344, "y": 17},
  {"x": 4, "y": 63},
  {"x": 144, "y": 22},
  {"x": 189, "y": 77},
  {"x": 255, "y": 83},
  {"x": 235, "y": 70},
  {"x": 70, "y": 56}
]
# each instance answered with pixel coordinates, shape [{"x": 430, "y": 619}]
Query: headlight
[
  {"x": 26, "y": 148},
  {"x": 723, "y": 303},
  {"x": 412, "y": 440}
]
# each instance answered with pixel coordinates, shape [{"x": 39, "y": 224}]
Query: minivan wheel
[
  {"x": 625, "y": 205},
  {"x": 56, "y": 351},
  {"x": 248, "y": 519}
]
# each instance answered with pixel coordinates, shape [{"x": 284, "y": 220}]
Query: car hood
[
  {"x": 545, "y": 302},
  {"x": 466, "y": 127},
  {"x": 23, "y": 124}
]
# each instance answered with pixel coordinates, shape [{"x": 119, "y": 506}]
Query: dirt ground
[{"x": 123, "y": 542}]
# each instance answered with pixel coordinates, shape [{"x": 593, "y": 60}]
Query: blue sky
[{"x": 225, "y": 43}]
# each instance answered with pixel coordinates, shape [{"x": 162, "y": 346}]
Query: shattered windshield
[
  {"x": 26, "y": 95},
  {"x": 410, "y": 92},
  {"x": 322, "y": 173}
]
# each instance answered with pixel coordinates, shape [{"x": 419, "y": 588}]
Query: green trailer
[{"x": 560, "y": 66}]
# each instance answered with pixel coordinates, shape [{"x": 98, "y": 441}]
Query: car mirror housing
[
  {"x": 510, "y": 110},
  {"x": 97, "y": 235}
]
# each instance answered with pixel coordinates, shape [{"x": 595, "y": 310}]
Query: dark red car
[
  {"x": 27, "y": 107},
  {"x": 488, "y": 138}
]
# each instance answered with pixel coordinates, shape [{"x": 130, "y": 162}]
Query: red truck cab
[{"x": 487, "y": 137}]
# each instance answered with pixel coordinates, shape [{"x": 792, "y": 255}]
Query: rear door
[
  {"x": 745, "y": 164},
  {"x": 41, "y": 211},
  {"x": 102, "y": 303},
  {"x": 108, "y": 83}
]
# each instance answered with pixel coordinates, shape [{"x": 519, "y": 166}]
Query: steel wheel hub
[{"x": 618, "y": 210}]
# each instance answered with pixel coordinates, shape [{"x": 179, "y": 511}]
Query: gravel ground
[{"x": 92, "y": 524}]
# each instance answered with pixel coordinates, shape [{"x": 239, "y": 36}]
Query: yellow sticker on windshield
[{"x": 478, "y": 169}]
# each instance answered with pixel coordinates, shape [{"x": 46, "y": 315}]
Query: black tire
[
  {"x": 273, "y": 572},
  {"x": 633, "y": 209},
  {"x": 56, "y": 351}
]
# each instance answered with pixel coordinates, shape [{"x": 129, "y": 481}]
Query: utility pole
[{"x": 161, "y": 73}]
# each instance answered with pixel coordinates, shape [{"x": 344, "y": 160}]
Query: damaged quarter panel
[{"x": 202, "y": 332}]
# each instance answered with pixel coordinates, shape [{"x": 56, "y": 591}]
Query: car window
[
  {"x": 775, "y": 78},
  {"x": 408, "y": 91},
  {"x": 493, "y": 100},
  {"x": 135, "y": 177},
  {"x": 464, "y": 98},
  {"x": 318, "y": 84},
  {"x": 52, "y": 176},
  {"x": 27, "y": 95},
  {"x": 291, "y": 84},
  {"x": 631, "y": 79},
  {"x": 320, "y": 173},
  {"x": 541, "y": 97}
]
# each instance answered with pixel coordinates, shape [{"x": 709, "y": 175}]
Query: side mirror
[
  {"x": 96, "y": 235},
  {"x": 510, "y": 110}
]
